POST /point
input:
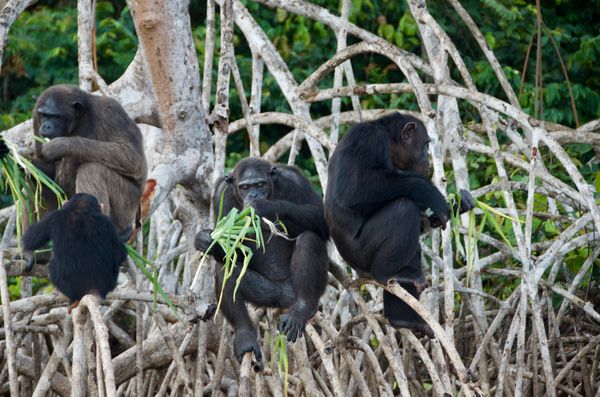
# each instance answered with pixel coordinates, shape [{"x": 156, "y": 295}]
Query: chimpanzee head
[
  {"x": 83, "y": 203},
  {"x": 409, "y": 143},
  {"x": 252, "y": 179},
  {"x": 58, "y": 111}
]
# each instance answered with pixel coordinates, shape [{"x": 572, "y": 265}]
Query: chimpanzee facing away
[
  {"x": 94, "y": 148},
  {"x": 86, "y": 249},
  {"x": 377, "y": 191},
  {"x": 288, "y": 274}
]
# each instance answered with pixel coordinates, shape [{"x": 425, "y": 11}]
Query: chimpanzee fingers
[
  {"x": 29, "y": 259},
  {"x": 53, "y": 150},
  {"x": 467, "y": 201},
  {"x": 203, "y": 240}
]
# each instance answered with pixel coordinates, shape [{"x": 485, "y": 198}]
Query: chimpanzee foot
[
  {"x": 419, "y": 328},
  {"x": 72, "y": 306},
  {"x": 292, "y": 323},
  {"x": 420, "y": 283},
  {"x": 244, "y": 342}
]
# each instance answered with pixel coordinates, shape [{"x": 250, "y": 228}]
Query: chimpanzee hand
[
  {"x": 467, "y": 202},
  {"x": 55, "y": 149},
  {"x": 3, "y": 148},
  {"x": 263, "y": 208},
  {"x": 244, "y": 342},
  {"x": 28, "y": 257},
  {"x": 438, "y": 211},
  {"x": 203, "y": 240}
]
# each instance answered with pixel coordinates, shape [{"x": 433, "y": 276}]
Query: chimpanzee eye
[
  {"x": 260, "y": 184},
  {"x": 244, "y": 187}
]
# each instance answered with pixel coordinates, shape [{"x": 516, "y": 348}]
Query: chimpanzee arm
[
  {"x": 36, "y": 236},
  {"x": 40, "y": 233},
  {"x": 383, "y": 185},
  {"x": 120, "y": 156},
  {"x": 296, "y": 218}
]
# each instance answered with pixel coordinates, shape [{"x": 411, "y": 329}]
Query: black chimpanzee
[
  {"x": 86, "y": 248},
  {"x": 289, "y": 273},
  {"x": 377, "y": 192}
]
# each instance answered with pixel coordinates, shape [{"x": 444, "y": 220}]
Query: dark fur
[
  {"x": 377, "y": 192},
  {"x": 95, "y": 148},
  {"x": 289, "y": 274},
  {"x": 3, "y": 148},
  {"x": 86, "y": 249}
]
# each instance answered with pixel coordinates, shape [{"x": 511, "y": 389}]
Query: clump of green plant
[
  {"x": 152, "y": 275},
  {"x": 475, "y": 231},
  {"x": 24, "y": 181},
  {"x": 231, "y": 233}
]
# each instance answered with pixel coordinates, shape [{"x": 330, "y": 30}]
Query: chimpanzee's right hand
[
  {"x": 203, "y": 240},
  {"x": 438, "y": 211},
  {"x": 28, "y": 257}
]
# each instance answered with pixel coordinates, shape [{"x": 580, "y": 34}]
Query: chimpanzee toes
[
  {"x": 292, "y": 326},
  {"x": 420, "y": 328},
  {"x": 413, "y": 286},
  {"x": 244, "y": 342},
  {"x": 420, "y": 285}
]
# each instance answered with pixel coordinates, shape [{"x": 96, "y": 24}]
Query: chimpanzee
[
  {"x": 376, "y": 194},
  {"x": 290, "y": 273},
  {"x": 94, "y": 148},
  {"x": 86, "y": 249}
]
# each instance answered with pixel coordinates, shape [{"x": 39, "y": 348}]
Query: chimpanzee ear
[
  {"x": 78, "y": 106},
  {"x": 229, "y": 179},
  {"x": 273, "y": 172},
  {"x": 408, "y": 131}
]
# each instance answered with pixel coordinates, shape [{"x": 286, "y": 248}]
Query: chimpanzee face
[
  {"x": 252, "y": 181},
  {"x": 409, "y": 149},
  {"x": 56, "y": 116}
]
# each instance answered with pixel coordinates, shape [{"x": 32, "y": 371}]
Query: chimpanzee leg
[
  {"x": 309, "y": 278},
  {"x": 236, "y": 313},
  {"x": 261, "y": 291},
  {"x": 119, "y": 196},
  {"x": 396, "y": 228}
]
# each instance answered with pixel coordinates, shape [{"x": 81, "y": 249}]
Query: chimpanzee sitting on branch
[
  {"x": 86, "y": 248},
  {"x": 377, "y": 192},
  {"x": 290, "y": 273}
]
